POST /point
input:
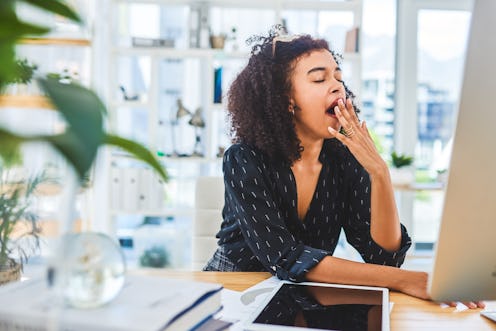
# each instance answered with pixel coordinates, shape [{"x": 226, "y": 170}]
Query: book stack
[
  {"x": 352, "y": 44},
  {"x": 152, "y": 42},
  {"x": 146, "y": 304}
]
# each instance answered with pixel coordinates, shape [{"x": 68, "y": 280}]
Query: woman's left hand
[
  {"x": 469, "y": 304},
  {"x": 357, "y": 138}
]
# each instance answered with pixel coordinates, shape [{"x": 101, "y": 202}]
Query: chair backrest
[{"x": 209, "y": 201}]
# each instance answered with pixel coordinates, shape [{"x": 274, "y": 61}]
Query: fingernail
[
  {"x": 472, "y": 305},
  {"x": 341, "y": 101},
  {"x": 336, "y": 109},
  {"x": 331, "y": 130}
]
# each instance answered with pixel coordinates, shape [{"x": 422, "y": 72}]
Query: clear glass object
[{"x": 92, "y": 271}]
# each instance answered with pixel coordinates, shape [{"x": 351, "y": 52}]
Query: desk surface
[{"x": 408, "y": 313}]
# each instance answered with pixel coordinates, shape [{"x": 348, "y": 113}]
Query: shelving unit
[
  {"x": 155, "y": 77},
  {"x": 26, "y": 110}
]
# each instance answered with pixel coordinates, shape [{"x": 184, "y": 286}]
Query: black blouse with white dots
[{"x": 261, "y": 230}]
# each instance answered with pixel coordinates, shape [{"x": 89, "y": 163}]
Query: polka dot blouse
[{"x": 261, "y": 230}]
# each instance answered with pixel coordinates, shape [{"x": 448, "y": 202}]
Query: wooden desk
[
  {"x": 436, "y": 186},
  {"x": 408, "y": 313}
]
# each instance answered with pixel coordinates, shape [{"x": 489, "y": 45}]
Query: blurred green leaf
[
  {"x": 56, "y": 7},
  {"x": 13, "y": 29},
  {"x": 83, "y": 112},
  {"x": 68, "y": 144},
  {"x": 10, "y": 147},
  {"x": 76, "y": 152},
  {"x": 139, "y": 151}
]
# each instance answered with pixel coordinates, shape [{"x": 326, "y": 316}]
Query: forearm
[
  {"x": 339, "y": 271},
  {"x": 335, "y": 270},
  {"x": 384, "y": 225}
]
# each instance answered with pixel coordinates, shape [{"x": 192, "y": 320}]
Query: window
[
  {"x": 378, "y": 54},
  {"x": 427, "y": 90}
]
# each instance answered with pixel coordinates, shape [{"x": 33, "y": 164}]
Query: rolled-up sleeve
[
  {"x": 261, "y": 220},
  {"x": 357, "y": 223}
]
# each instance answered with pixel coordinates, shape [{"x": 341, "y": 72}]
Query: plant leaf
[
  {"x": 56, "y": 7},
  {"x": 76, "y": 152},
  {"x": 139, "y": 151},
  {"x": 12, "y": 28},
  {"x": 79, "y": 154},
  {"x": 10, "y": 145},
  {"x": 83, "y": 111}
]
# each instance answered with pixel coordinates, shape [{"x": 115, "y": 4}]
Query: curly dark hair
[{"x": 259, "y": 97}]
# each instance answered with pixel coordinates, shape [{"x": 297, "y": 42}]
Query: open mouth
[{"x": 330, "y": 110}]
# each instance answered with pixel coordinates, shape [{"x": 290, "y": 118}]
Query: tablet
[{"x": 319, "y": 306}]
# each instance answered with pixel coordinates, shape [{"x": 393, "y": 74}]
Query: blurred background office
[{"x": 163, "y": 69}]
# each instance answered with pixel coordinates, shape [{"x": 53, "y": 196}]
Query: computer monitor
[{"x": 465, "y": 258}]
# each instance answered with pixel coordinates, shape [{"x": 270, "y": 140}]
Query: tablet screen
[{"x": 323, "y": 307}]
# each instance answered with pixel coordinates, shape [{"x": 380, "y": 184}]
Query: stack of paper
[{"x": 145, "y": 303}]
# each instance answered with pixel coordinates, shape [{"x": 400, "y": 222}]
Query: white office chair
[{"x": 209, "y": 201}]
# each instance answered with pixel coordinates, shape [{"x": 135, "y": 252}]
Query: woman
[{"x": 302, "y": 168}]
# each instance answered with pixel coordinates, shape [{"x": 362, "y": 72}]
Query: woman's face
[{"x": 317, "y": 86}]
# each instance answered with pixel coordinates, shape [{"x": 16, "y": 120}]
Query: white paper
[{"x": 238, "y": 306}]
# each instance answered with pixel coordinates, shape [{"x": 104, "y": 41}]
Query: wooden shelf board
[
  {"x": 49, "y": 227},
  {"x": 56, "y": 41},
  {"x": 25, "y": 101}
]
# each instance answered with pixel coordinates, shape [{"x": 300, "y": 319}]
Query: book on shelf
[
  {"x": 351, "y": 44},
  {"x": 152, "y": 42},
  {"x": 145, "y": 303}
]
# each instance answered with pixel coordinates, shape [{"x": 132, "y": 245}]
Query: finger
[
  {"x": 348, "y": 129},
  {"x": 345, "y": 112},
  {"x": 451, "y": 303},
  {"x": 341, "y": 137},
  {"x": 480, "y": 304},
  {"x": 347, "y": 123},
  {"x": 470, "y": 304},
  {"x": 351, "y": 110},
  {"x": 338, "y": 110},
  {"x": 364, "y": 127}
]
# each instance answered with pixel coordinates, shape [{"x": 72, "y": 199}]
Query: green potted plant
[
  {"x": 401, "y": 160},
  {"x": 401, "y": 171},
  {"x": 155, "y": 257},
  {"x": 81, "y": 108},
  {"x": 19, "y": 228},
  {"x": 19, "y": 84}
]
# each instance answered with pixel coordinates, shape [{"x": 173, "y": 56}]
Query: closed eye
[{"x": 338, "y": 75}]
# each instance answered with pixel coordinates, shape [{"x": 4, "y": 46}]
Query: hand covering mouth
[{"x": 330, "y": 110}]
